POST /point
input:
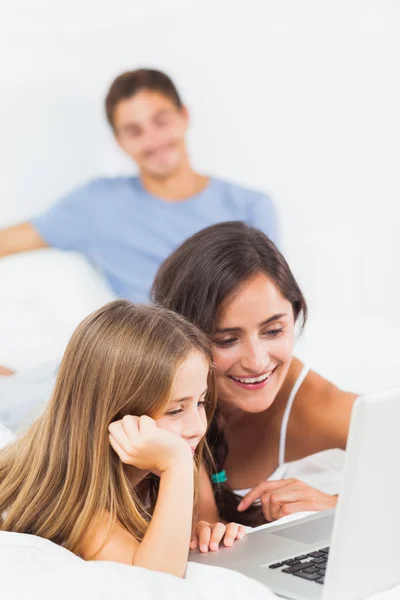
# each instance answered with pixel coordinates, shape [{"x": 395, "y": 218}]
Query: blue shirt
[{"x": 127, "y": 232}]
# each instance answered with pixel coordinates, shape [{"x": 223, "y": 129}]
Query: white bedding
[
  {"x": 43, "y": 296},
  {"x": 32, "y": 568},
  {"x": 35, "y": 569}
]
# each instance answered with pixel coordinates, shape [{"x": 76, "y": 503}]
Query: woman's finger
[
  {"x": 272, "y": 502},
  {"x": 286, "y": 502},
  {"x": 293, "y": 507},
  {"x": 251, "y": 496},
  {"x": 257, "y": 491}
]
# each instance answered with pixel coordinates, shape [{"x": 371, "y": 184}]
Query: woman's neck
[
  {"x": 235, "y": 417},
  {"x": 230, "y": 413}
]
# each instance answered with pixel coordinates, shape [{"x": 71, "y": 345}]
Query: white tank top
[{"x": 322, "y": 470}]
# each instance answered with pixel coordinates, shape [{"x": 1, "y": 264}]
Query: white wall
[{"x": 299, "y": 98}]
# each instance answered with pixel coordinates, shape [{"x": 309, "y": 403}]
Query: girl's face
[
  {"x": 253, "y": 345},
  {"x": 185, "y": 414}
]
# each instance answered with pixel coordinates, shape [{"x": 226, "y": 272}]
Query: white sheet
[
  {"x": 35, "y": 569},
  {"x": 32, "y": 568},
  {"x": 24, "y": 395}
]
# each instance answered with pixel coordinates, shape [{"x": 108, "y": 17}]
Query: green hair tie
[{"x": 219, "y": 477}]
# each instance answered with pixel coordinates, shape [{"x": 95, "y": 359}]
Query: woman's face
[
  {"x": 185, "y": 414},
  {"x": 253, "y": 345}
]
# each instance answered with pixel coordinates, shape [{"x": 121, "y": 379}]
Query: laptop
[{"x": 347, "y": 553}]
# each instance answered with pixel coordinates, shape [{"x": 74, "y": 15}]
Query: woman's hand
[
  {"x": 285, "y": 497},
  {"x": 207, "y": 536},
  {"x": 138, "y": 441}
]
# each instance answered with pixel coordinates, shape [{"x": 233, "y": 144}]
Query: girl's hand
[
  {"x": 285, "y": 497},
  {"x": 207, "y": 536},
  {"x": 138, "y": 441}
]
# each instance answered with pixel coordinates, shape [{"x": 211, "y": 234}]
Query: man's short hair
[{"x": 130, "y": 83}]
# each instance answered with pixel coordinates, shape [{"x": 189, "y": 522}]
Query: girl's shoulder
[{"x": 105, "y": 540}]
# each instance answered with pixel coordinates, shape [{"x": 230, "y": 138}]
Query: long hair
[
  {"x": 62, "y": 475},
  {"x": 197, "y": 281}
]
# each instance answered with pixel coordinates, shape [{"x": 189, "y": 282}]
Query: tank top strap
[{"x": 286, "y": 415}]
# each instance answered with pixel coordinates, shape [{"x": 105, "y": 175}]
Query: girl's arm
[
  {"x": 120, "y": 547},
  {"x": 165, "y": 546}
]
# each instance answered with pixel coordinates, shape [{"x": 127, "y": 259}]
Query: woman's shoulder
[
  {"x": 315, "y": 387},
  {"x": 320, "y": 406}
]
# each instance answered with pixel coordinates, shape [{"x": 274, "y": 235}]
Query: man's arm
[
  {"x": 20, "y": 238},
  {"x": 5, "y": 371},
  {"x": 263, "y": 215}
]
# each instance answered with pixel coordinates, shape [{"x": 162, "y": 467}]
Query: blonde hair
[{"x": 58, "y": 478}]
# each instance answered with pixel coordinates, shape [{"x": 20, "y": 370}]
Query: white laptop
[{"x": 348, "y": 553}]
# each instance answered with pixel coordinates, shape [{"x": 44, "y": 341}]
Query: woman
[
  {"x": 107, "y": 470},
  {"x": 234, "y": 284}
]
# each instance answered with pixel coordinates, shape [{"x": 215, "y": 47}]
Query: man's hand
[
  {"x": 5, "y": 371},
  {"x": 20, "y": 238}
]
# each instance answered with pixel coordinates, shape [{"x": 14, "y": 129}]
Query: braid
[{"x": 226, "y": 499}]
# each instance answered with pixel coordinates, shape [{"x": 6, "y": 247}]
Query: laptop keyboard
[{"x": 311, "y": 566}]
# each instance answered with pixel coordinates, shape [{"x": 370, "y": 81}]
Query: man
[{"x": 126, "y": 226}]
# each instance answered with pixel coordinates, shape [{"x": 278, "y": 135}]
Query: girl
[
  {"x": 232, "y": 282},
  {"x": 108, "y": 470}
]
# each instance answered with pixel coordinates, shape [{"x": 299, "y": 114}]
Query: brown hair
[
  {"x": 130, "y": 83},
  {"x": 59, "y": 478},
  {"x": 197, "y": 280}
]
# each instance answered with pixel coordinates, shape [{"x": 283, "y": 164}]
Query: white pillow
[
  {"x": 6, "y": 436},
  {"x": 32, "y": 568},
  {"x": 43, "y": 296},
  {"x": 360, "y": 355}
]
